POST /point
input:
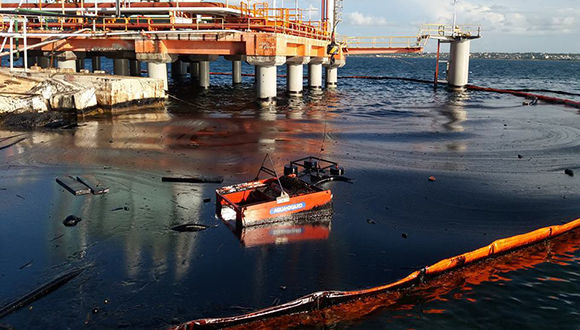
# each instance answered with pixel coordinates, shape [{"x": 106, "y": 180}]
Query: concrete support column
[
  {"x": 331, "y": 77},
  {"x": 96, "y": 63},
  {"x": 204, "y": 74},
  {"x": 156, "y": 65},
  {"x": 236, "y": 72},
  {"x": 80, "y": 64},
  {"x": 266, "y": 75},
  {"x": 295, "y": 77},
  {"x": 134, "y": 68},
  {"x": 236, "y": 68},
  {"x": 332, "y": 72},
  {"x": 315, "y": 75},
  {"x": 267, "y": 82},
  {"x": 44, "y": 62},
  {"x": 67, "y": 60},
  {"x": 32, "y": 61},
  {"x": 158, "y": 71},
  {"x": 121, "y": 66},
  {"x": 203, "y": 68},
  {"x": 178, "y": 69},
  {"x": 458, "y": 73},
  {"x": 194, "y": 70}
]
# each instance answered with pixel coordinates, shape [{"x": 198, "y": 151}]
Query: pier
[{"x": 187, "y": 35}]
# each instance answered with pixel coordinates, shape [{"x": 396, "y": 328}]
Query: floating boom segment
[{"x": 329, "y": 307}]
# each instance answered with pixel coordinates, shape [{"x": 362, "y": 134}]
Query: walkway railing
[
  {"x": 257, "y": 17},
  {"x": 443, "y": 30},
  {"x": 385, "y": 42}
]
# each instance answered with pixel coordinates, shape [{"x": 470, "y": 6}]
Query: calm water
[{"x": 389, "y": 135}]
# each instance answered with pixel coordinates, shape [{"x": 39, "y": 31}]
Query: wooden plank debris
[
  {"x": 96, "y": 187},
  {"x": 199, "y": 179},
  {"x": 72, "y": 185}
]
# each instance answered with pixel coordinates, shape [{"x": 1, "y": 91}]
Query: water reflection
[
  {"x": 455, "y": 110},
  {"x": 283, "y": 233},
  {"x": 404, "y": 303},
  {"x": 311, "y": 226}
]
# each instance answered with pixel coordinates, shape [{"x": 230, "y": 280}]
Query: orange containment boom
[
  {"x": 326, "y": 307},
  {"x": 549, "y": 99}
]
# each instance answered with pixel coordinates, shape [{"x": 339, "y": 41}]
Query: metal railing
[
  {"x": 385, "y": 42},
  {"x": 446, "y": 30},
  {"x": 257, "y": 17}
]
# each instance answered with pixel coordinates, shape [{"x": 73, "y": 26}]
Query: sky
[{"x": 551, "y": 26}]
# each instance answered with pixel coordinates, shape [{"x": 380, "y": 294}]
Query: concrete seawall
[{"x": 60, "y": 90}]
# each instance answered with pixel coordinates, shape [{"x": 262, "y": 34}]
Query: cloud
[
  {"x": 358, "y": 18},
  {"x": 505, "y": 18}
]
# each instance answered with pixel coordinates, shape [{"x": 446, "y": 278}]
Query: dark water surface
[{"x": 389, "y": 135}]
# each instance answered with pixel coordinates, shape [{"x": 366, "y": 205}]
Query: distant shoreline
[{"x": 491, "y": 56}]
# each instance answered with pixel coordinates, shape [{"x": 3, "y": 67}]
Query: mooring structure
[{"x": 186, "y": 35}]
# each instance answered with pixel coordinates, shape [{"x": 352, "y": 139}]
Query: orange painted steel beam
[
  {"x": 235, "y": 43},
  {"x": 185, "y": 47}
]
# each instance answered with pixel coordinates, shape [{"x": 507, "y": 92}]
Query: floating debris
[
  {"x": 198, "y": 179},
  {"x": 95, "y": 187},
  {"x": 28, "y": 264},
  {"x": 569, "y": 172},
  {"x": 190, "y": 227},
  {"x": 73, "y": 186},
  {"x": 10, "y": 141},
  {"x": 71, "y": 220},
  {"x": 38, "y": 293},
  {"x": 371, "y": 221}
]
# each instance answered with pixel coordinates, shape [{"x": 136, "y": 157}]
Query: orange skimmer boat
[{"x": 276, "y": 199}]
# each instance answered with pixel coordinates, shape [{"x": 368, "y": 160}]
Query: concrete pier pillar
[
  {"x": 44, "y": 62},
  {"x": 266, "y": 75},
  {"x": 67, "y": 60},
  {"x": 178, "y": 68},
  {"x": 121, "y": 66},
  {"x": 295, "y": 77},
  {"x": 315, "y": 75},
  {"x": 194, "y": 70},
  {"x": 96, "y": 63},
  {"x": 332, "y": 72},
  {"x": 204, "y": 74},
  {"x": 203, "y": 68},
  {"x": 458, "y": 73},
  {"x": 134, "y": 68},
  {"x": 156, "y": 65},
  {"x": 80, "y": 63},
  {"x": 236, "y": 72},
  {"x": 267, "y": 82},
  {"x": 32, "y": 61},
  {"x": 236, "y": 68},
  {"x": 158, "y": 71},
  {"x": 331, "y": 77}
]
